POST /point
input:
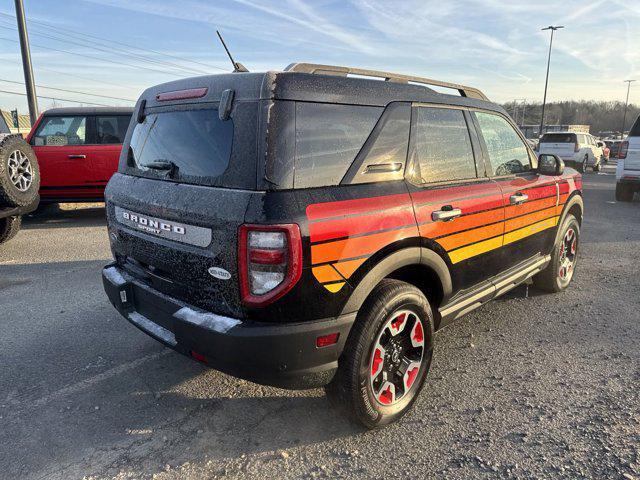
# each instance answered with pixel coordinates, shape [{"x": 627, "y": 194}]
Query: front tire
[
  {"x": 386, "y": 357},
  {"x": 9, "y": 227},
  {"x": 559, "y": 273}
]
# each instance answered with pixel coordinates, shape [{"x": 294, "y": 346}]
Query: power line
[
  {"x": 57, "y": 98},
  {"x": 110, "y": 42},
  {"x": 69, "y": 91},
  {"x": 94, "y": 58},
  {"x": 110, "y": 51}
]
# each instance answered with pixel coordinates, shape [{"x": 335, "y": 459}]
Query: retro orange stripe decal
[
  {"x": 472, "y": 236},
  {"x": 439, "y": 229},
  {"x": 360, "y": 206},
  {"x": 358, "y": 246},
  {"x": 326, "y": 273},
  {"x": 371, "y": 222}
]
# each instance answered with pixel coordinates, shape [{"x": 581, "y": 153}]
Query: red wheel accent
[
  {"x": 398, "y": 322},
  {"x": 377, "y": 362},
  {"x": 387, "y": 395},
  {"x": 411, "y": 376},
  {"x": 418, "y": 334}
]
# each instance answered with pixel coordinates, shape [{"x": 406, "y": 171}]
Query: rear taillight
[
  {"x": 622, "y": 151},
  {"x": 576, "y": 147},
  {"x": 269, "y": 262}
]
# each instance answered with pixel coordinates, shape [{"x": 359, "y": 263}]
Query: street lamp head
[{"x": 553, "y": 27}]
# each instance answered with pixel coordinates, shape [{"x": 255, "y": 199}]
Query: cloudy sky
[{"x": 495, "y": 45}]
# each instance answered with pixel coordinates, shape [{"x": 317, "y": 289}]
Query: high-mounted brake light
[
  {"x": 624, "y": 148},
  {"x": 182, "y": 94},
  {"x": 269, "y": 262}
]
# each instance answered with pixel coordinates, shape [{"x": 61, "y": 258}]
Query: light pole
[
  {"x": 26, "y": 62},
  {"x": 546, "y": 82},
  {"x": 626, "y": 103}
]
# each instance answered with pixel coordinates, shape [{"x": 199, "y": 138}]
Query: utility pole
[
  {"x": 546, "y": 82},
  {"x": 626, "y": 103},
  {"x": 26, "y": 62}
]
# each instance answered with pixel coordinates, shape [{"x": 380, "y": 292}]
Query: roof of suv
[
  {"x": 323, "y": 83},
  {"x": 89, "y": 111}
]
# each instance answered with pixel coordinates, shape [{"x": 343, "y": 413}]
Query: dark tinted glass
[
  {"x": 196, "y": 143},
  {"x": 558, "y": 138},
  {"x": 328, "y": 138},
  {"x": 507, "y": 152},
  {"x": 386, "y": 154},
  {"x": 635, "y": 130},
  {"x": 61, "y": 131},
  {"x": 111, "y": 129},
  {"x": 442, "y": 145}
]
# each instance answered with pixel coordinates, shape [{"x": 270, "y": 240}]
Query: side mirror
[
  {"x": 549, "y": 164},
  {"x": 600, "y": 144}
]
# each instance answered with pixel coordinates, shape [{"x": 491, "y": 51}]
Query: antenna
[{"x": 237, "y": 66}]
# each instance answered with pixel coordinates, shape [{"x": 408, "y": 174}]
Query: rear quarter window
[
  {"x": 328, "y": 138},
  {"x": 558, "y": 138}
]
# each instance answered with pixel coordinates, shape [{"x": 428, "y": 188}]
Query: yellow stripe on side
[
  {"x": 475, "y": 249},
  {"x": 334, "y": 287},
  {"x": 530, "y": 230}
]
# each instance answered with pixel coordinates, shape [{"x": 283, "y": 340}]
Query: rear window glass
[
  {"x": 185, "y": 145},
  {"x": 61, "y": 131},
  {"x": 635, "y": 130},
  {"x": 558, "y": 138},
  {"x": 328, "y": 138}
]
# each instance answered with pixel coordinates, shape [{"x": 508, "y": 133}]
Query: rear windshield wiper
[{"x": 160, "y": 164}]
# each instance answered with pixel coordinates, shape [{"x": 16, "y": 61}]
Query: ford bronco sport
[{"x": 314, "y": 227}]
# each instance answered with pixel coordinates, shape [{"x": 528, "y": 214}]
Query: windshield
[
  {"x": 558, "y": 138},
  {"x": 185, "y": 145}
]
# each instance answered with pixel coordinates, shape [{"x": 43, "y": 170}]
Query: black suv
[{"x": 315, "y": 227}]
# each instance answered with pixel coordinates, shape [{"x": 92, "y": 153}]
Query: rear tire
[
  {"x": 380, "y": 373},
  {"x": 584, "y": 165},
  {"x": 9, "y": 227},
  {"x": 559, "y": 273},
  {"x": 623, "y": 193},
  {"x": 19, "y": 172}
]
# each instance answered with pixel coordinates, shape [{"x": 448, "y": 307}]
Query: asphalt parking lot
[{"x": 544, "y": 386}]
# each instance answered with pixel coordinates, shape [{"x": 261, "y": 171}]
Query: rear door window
[
  {"x": 442, "y": 146},
  {"x": 111, "y": 129},
  {"x": 61, "y": 131},
  {"x": 193, "y": 146},
  {"x": 328, "y": 138},
  {"x": 507, "y": 152}
]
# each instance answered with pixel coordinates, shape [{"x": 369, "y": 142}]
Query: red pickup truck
[{"x": 78, "y": 151}]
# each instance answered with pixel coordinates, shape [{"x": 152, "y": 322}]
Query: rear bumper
[{"x": 281, "y": 355}]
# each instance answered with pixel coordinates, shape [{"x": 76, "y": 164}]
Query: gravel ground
[{"x": 539, "y": 387}]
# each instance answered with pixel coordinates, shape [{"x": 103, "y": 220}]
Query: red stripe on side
[
  {"x": 326, "y": 210},
  {"x": 367, "y": 223}
]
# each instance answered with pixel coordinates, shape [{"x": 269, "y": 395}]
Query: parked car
[
  {"x": 78, "y": 150},
  {"x": 579, "y": 150},
  {"x": 307, "y": 228},
  {"x": 628, "y": 167},
  {"x": 19, "y": 182}
]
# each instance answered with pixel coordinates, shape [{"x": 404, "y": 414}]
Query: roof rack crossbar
[{"x": 318, "y": 69}]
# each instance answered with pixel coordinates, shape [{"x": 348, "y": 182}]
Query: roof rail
[{"x": 318, "y": 69}]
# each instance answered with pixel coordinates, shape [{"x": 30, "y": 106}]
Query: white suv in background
[
  {"x": 628, "y": 168},
  {"x": 578, "y": 150}
]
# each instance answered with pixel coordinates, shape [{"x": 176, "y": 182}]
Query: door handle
[
  {"x": 77, "y": 156},
  {"x": 518, "y": 198},
  {"x": 446, "y": 214},
  {"x": 383, "y": 167}
]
